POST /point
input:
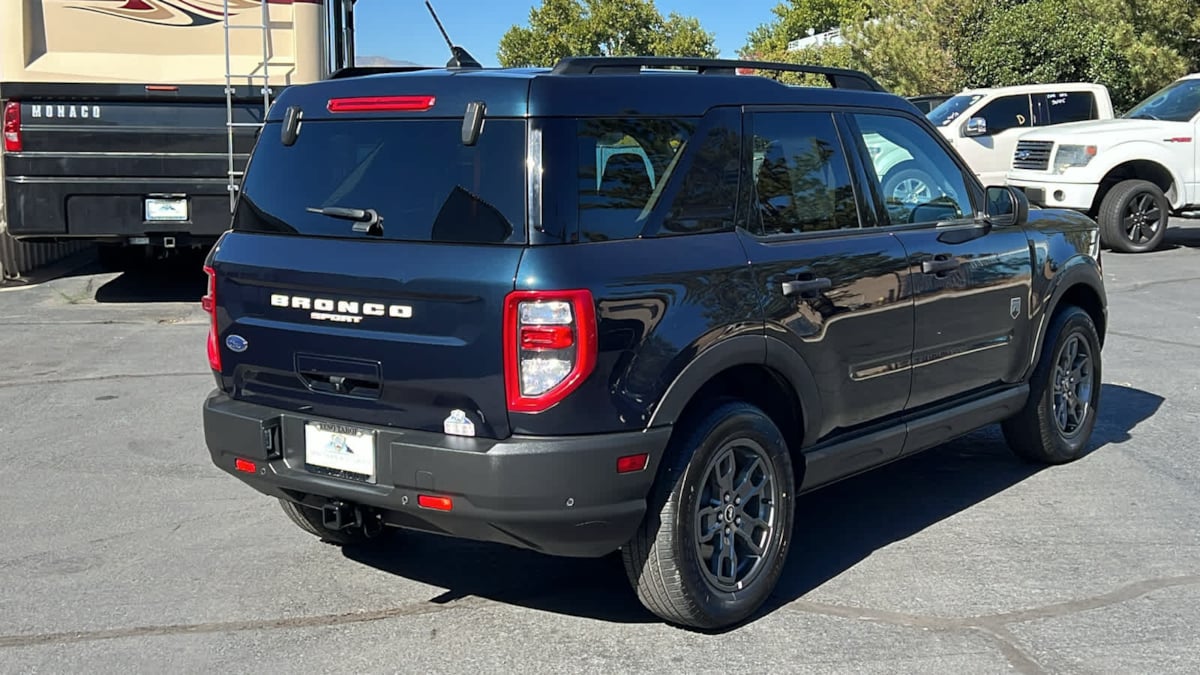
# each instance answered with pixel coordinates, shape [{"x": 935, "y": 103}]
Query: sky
[{"x": 403, "y": 29}]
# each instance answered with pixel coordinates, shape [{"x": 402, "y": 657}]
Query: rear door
[
  {"x": 836, "y": 292},
  {"x": 398, "y": 325}
]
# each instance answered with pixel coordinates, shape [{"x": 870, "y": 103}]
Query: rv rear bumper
[
  {"x": 558, "y": 495},
  {"x": 112, "y": 208}
]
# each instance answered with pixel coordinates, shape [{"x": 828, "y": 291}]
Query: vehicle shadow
[
  {"x": 836, "y": 527},
  {"x": 1178, "y": 235},
  {"x": 177, "y": 279}
]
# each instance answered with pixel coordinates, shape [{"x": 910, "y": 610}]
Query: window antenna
[{"x": 459, "y": 57}]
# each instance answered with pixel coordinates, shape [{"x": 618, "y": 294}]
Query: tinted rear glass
[{"x": 423, "y": 182}]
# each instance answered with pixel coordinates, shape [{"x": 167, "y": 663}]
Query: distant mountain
[{"x": 381, "y": 61}]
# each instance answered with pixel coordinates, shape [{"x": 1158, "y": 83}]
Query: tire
[
  {"x": 1051, "y": 429},
  {"x": 309, "y": 520},
  {"x": 1133, "y": 217},
  {"x": 667, "y": 562},
  {"x": 908, "y": 184}
]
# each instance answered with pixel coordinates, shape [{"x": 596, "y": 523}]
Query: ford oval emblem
[{"x": 236, "y": 343}]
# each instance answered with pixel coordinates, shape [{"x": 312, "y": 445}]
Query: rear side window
[
  {"x": 416, "y": 174},
  {"x": 622, "y": 167},
  {"x": 1063, "y": 107},
  {"x": 801, "y": 178}
]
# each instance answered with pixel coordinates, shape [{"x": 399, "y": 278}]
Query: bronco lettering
[{"x": 342, "y": 311}]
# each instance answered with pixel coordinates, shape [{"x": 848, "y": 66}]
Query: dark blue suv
[{"x": 628, "y": 303}]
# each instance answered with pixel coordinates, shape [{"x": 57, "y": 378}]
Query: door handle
[
  {"x": 806, "y": 287},
  {"x": 940, "y": 264}
]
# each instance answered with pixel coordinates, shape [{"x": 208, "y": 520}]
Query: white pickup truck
[
  {"x": 983, "y": 125},
  {"x": 1130, "y": 173}
]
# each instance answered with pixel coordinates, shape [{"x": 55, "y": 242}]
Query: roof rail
[{"x": 838, "y": 78}]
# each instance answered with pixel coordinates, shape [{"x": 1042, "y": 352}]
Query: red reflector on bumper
[
  {"x": 436, "y": 503},
  {"x": 244, "y": 465},
  {"x": 631, "y": 463}
]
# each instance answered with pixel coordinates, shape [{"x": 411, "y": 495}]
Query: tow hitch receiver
[{"x": 339, "y": 515}]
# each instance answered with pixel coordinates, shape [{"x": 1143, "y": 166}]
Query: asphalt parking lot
[{"x": 122, "y": 547}]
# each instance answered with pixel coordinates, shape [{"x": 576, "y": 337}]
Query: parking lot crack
[
  {"x": 1161, "y": 341},
  {"x": 318, "y": 621},
  {"x": 994, "y": 626},
  {"x": 94, "y": 378}
]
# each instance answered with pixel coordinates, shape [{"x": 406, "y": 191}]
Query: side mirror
[
  {"x": 976, "y": 126},
  {"x": 1007, "y": 205}
]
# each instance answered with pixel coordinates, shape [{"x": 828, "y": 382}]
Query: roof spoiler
[
  {"x": 356, "y": 71},
  {"x": 838, "y": 78}
]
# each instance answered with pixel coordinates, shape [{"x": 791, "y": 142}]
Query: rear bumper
[
  {"x": 560, "y": 496},
  {"x": 111, "y": 208}
]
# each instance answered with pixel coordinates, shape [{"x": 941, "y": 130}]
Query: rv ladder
[{"x": 258, "y": 76}]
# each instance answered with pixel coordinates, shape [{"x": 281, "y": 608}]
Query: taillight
[
  {"x": 12, "y": 127},
  {"x": 209, "y": 303},
  {"x": 549, "y": 346}
]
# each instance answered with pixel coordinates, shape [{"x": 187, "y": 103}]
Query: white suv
[
  {"x": 1130, "y": 174},
  {"x": 983, "y": 124}
]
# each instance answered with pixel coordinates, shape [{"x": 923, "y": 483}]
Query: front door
[
  {"x": 836, "y": 290},
  {"x": 972, "y": 280}
]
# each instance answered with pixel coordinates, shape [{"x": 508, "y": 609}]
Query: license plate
[
  {"x": 171, "y": 209},
  {"x": 339, "y": 450}
]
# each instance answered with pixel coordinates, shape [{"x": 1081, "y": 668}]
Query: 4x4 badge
[{"x": 1014, "y": 307}]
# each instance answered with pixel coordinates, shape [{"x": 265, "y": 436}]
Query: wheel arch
[
  {"x": 756, "y": 369},
  {"x": 1079, "y": 284},
  {"x": 1140, "y": 169}
]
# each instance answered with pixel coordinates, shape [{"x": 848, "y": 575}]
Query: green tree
[
  {"x": 940, "y": 46},
  {"x": 560, "y": 28}
]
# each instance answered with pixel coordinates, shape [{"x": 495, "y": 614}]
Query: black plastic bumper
[
  {"x": 93, "y": 208},
  {"x": 562, "y": 495}
]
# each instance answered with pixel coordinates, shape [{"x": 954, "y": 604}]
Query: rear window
[{"x": 416, "y": 174}]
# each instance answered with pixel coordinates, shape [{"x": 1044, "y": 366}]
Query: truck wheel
[
  {"x": 908, "y": 184},
  {"x": 309, "y": 520},
  {"x": 1056, "y": 423},
  {"x": 716, "y": 533},
  {"x": 1133, "y": 217}
]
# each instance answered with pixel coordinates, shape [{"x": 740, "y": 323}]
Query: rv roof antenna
[{"x": 459, "y": 57}]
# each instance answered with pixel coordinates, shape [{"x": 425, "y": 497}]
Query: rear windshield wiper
[{"x": 365, "y": 220}]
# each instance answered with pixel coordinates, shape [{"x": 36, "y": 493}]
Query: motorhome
[{"x": 128, "y": 122}]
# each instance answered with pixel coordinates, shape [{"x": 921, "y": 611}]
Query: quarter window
[
  {"x": 621, "y": 162},
  {"x": 1063, "y": 107}
]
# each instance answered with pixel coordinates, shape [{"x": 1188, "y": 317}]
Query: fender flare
[
  {"x": 742, "y": 350},
  {"x": 1078, "y": 271}
]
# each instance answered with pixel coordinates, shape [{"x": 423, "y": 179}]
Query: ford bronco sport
[{"x": 626, "y": 303}]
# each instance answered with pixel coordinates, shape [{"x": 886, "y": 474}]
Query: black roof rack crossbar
[{"x": 839, "y": 78}]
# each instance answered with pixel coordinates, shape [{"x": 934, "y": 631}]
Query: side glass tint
[
  {"x": 800, "y": 175},
  {"x": 919, "y": 181}
]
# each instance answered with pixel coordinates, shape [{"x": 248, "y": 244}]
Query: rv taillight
[
  {"x": 549, "y": 346},
  {"x": 12, "y": 126},
  {"x": 380, "y": 104},
  {"x": 209, "y": 304}
]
